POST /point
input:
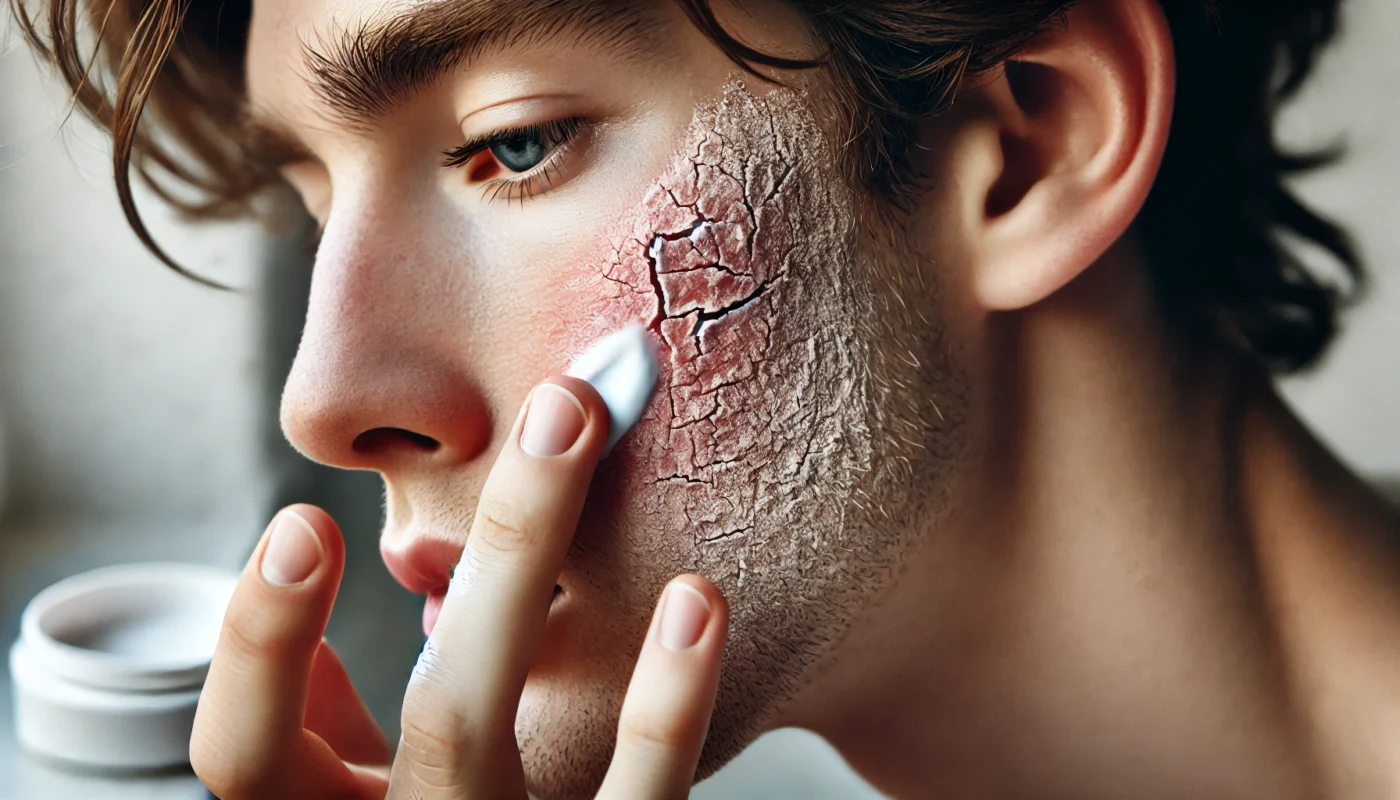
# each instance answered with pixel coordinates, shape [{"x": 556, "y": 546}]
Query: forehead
[
  {"x": 363, "y": 52},
  {"x": 281, "y": 29}
]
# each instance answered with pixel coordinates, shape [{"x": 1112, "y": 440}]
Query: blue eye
[
  {"x": 518, "y": 149},
  {"x": 521, "y": 153}
]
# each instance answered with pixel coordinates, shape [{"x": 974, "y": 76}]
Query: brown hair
[{"x": 1212, "y": 225}]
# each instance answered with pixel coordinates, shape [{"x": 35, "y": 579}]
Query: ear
[{"x": 1054, "y": 157}]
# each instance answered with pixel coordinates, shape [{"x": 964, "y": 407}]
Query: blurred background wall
[
  {"x": 125, "y": 392},
  {"x": 140, "y": 408}
]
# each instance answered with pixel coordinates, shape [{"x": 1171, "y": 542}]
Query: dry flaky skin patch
[
  {"x": 778, "y": 454},
  {"x": 737, "y": 261}
]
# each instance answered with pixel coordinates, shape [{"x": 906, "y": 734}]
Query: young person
[{"x": 965, "y": 432}]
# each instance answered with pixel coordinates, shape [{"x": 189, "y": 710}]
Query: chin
[
  {"x": 566, "y": 723},
  {"x": 566, "y": 726}
]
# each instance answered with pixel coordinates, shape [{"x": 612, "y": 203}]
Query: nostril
[{"x": 383, "y": 440}]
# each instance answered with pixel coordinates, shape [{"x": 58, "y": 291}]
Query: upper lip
[{"x": 424, "y": 565}]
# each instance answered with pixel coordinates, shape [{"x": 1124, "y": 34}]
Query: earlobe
[{"x": 1080, "y": 121}]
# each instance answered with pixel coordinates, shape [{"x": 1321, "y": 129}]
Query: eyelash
[{"x": 524, "y": 186}]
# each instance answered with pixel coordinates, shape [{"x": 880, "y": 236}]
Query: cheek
[
  {"x": 710, "y": 261},
  {"x": 714, "y": 263}
]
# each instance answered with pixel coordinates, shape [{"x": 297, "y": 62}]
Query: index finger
[{"x": 459, "y": 710}]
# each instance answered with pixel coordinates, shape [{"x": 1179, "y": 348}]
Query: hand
[{"x": 279, "y": 718}]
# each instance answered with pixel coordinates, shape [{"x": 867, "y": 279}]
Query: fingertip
[
  {"x": 719, "y": 605},
  {"x": 692, "y": 612},
  {"x": 593, "y": 405},
  {"x": 323, "y": 527},
  {"x": 301, "y": 550},
  {"x": 666, "y": 711},
  {"x": 318, "y": 520},
  {"x": 595, "y": 411}
]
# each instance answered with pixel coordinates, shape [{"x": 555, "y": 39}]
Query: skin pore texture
[{"x": 766, "y": 456}]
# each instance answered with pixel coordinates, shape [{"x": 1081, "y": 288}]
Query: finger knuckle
[
  {"x": 435, "y": 740},
  {"x": 654, "y": 731},
  {"x": 505, "y": 528}
]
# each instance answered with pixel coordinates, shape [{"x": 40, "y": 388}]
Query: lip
[
  {"x": 425, "y": 565},
  {"x": 432, "y": 607}
]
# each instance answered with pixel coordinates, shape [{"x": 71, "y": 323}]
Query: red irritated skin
[
  {"x": 710, "y": 266},
  {"x": 757, "y": 459}
]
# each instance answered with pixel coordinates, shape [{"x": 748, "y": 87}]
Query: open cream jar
[{"x": 109, "y": 664}]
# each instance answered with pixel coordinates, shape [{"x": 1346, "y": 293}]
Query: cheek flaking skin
[
  {"x": 776, "y": 455},
  {"x": 721, "y": 243},
  {"x": 737, "y": 261}
]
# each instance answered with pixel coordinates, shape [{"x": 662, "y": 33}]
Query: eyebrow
[{"x": 363, "y": 72}]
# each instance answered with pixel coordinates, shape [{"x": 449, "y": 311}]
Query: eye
[
  {"x": 520, "y": 153},
  {"x": 518, "y": 149},
  {"x": 515, "y": 164}
]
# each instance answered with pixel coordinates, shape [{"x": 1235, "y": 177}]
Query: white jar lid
[{"x": 109, "y": 663}]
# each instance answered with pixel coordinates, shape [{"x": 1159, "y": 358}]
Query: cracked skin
[
  {"x": 732, "y": 261},
  {"x": 713, "y": 251}
]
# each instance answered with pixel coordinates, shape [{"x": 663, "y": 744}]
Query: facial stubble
[{"x": 798, "y": 405}]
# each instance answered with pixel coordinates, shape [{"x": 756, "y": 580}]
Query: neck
[{"x": 1097, "y": 615}]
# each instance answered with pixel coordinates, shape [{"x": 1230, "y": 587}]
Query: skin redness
[
  {"x": 765, "y": 458},
  {"x": 760, "y": 379}
]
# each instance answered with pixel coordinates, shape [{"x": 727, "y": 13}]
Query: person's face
[{"x": 637, "y": 177}]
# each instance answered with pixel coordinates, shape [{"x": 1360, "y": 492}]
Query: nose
[{"x": 380, "y": 380}]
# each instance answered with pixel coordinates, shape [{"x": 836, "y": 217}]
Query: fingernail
[
  {"x": 292, "y": 552},
  {"x": 553, "y": 421},
  {"x": 683, "y": 617}
]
